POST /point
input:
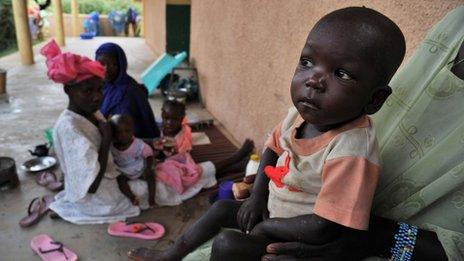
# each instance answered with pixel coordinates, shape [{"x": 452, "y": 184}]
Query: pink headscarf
[{"x": 68, "y": 67}]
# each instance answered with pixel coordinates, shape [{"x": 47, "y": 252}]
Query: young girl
[
  {"x": 81, "y": 140},
  {"x": 178, "y": 176},
  {"x": 176, "y": 133},
  {"x": 133, "y": 157}
]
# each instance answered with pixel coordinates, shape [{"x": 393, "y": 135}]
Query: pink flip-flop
[
  {"x": 48, "y": 179},
  {"x": 36, "y": 210},
  {"x": 146, "y": 231},
  {"x": 50, "y": 250}
]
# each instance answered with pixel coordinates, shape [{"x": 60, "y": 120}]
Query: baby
[
  {"x": 320, "y": 167},
  {"x": 133, "y": 158},
  {"x": 176, "y": 133}
]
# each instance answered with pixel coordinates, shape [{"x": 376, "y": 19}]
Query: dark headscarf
[{"x": 124, "y": 95}]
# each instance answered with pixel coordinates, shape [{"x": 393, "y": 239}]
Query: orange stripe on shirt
[
  {"x": 273, "y": 142},
  {"x": 348, "y": 187}
]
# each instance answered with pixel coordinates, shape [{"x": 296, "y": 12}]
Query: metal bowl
[{"x": 39, "y": 164}]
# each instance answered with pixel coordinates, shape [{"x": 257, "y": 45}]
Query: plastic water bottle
[{"x": 252, "y": 165}]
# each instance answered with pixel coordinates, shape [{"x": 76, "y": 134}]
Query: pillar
[
  {"x": 142, "y": 23},
  {"x": 59, "y": 28},
  {"x": 23, "y": 35},
  {"x": 75, "y": 17}
]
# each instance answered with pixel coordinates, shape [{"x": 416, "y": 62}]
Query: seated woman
[
  {"x": 122, "y": 94},
  {"x": 421, "y": 133},
  {"x": 82, "y": 141}
]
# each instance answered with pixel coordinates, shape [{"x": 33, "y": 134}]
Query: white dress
[{"x": 76, "y": 142}]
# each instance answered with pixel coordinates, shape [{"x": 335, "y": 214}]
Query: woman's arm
[
  {"x": 381, "y": 236},
  {"x": 377, "y": 242},
  {"x": 105, "y": 130},
  {"x": 310, "y": 229}
]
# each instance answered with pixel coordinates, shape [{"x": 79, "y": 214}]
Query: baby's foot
[{"x": 146, "y": 254}]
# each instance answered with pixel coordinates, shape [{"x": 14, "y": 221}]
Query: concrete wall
[
  {"x": 246, "y": 51},
  {"x": 105, "y": 27},
  {"x": 154, "y": 13}
]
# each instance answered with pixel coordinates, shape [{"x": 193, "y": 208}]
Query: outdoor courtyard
[{"x": 34, "y": 104}]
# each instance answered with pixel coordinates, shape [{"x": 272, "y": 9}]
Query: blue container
[{"x": 224, "y": 192}]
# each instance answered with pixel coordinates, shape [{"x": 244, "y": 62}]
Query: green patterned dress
[{"x": 421, "y": 135}]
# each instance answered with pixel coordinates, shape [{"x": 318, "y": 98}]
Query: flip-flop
[
  {"x": 146, "y": 231},
  {"x": 49, "y": 180},
  {"x": 50, "y": 250},
  {"x": 45, "y": 177},
  {"x": 36, "y": 210}
]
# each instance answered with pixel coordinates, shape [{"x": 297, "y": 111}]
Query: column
[
  {"x": 59, "y": 28},
  {"x": 23, "y": 35},
  {"x": 75, "y": 17}
]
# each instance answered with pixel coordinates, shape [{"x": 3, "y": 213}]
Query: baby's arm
[
  {"x": 310, "y": 229},
  {"x": 255, "y": 207}
]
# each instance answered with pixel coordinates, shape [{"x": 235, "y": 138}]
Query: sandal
[
  {"x": 36, "y": 210},
  {"x": 48, "y": 179},
  {"x": 50, "y": 250},
  {"x": 146, "y": 231}
]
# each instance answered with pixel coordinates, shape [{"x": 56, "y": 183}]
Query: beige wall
[
  {"x": 105, "y": 27},
  {"x": 154, "y": 13},
  {"x": 246, "y": 52}
]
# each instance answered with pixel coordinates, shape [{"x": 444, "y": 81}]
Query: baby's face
[
  {"x": 333, "y": 81},
  {"x": 172, "y": 120},
  {"x": 123, "y": 134}
]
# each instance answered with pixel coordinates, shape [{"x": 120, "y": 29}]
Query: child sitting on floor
[
  {"x": 179, "y": 171},
  {"x": 178, "y": 177},
  {"x": 176, "y": 133},
  {"x": 320, "y": 168},
  {"x": 133, "y": 158}
]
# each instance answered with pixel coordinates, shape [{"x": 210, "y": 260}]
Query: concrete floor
[{"x": 34, "y": 104}]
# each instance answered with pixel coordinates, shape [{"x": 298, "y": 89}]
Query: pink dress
[{"x": 180, "y": 171}]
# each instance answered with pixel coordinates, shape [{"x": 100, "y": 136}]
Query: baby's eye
[
  {"x": 306, "y": 63},
  {"x": 343, "y": 74}
]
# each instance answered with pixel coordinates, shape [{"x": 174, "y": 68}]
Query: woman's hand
[
  {"x": 252, "y": 211},
  {"x": 348, "y": 246}
]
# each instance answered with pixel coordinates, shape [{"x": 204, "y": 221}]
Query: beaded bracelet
[{"x": 405, "y": 240}]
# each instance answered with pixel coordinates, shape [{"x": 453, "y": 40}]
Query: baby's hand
[{"x": 158, "y": 144}]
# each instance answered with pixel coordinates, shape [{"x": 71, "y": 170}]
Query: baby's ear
[{"x": 379, "y": 96}]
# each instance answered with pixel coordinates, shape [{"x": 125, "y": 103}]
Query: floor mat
[{"x": 219, "y": 149}]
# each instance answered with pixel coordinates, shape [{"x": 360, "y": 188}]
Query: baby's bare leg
[
  {"x": 124, "y": 187},
  {"x": 234, "y": 245},
  {"x": 222, "y": 214}
]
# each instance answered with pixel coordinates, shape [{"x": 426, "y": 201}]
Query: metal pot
[
  {"x": 2, "y": 81},
  {"x": 8, "y": 174}
]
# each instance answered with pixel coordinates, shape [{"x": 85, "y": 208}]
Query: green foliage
[
  {"x": 102, "y": 6},
  {"x": 7, "y": 28}
]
